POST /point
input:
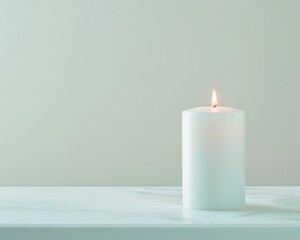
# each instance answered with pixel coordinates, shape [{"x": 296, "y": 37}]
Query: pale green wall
[{"x": 91, "y": 92}]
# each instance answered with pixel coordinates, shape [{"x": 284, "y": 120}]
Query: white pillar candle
[{"x": 213, "y": 152}]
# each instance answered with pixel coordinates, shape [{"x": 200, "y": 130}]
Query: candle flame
[{"x": 214, "y": 102}]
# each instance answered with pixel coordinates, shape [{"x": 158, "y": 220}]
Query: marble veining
[{"x": 140, "y": 206}]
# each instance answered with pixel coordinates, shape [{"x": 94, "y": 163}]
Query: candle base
[
  {"x": 224, "y": 198},
  {"x": 214, "y": 207}
]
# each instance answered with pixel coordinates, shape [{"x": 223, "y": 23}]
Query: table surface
[{"x": 140, "y": 206}]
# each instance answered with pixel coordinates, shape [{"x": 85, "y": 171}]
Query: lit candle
[{"x": 213, "y": 157}]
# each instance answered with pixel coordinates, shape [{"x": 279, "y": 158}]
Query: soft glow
[{"x": 214, "y": 102}]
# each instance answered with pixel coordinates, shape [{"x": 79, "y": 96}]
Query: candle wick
[{"x": 214, "y": 106}]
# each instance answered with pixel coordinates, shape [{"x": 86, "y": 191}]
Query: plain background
[{"x": 91, "y": 92}]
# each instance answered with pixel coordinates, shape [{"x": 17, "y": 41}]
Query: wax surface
[
  {"x": 213, "y": 110},
  {"x": 213, "y": 151}
]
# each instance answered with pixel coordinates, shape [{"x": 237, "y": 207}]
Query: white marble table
[{"x": 142, "y": 213}]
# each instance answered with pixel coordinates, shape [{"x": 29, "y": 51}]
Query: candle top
[
  {"x": 213, "y": 110},
  {"x": 214, "y": 107}
]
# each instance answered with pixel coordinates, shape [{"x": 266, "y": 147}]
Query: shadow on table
[{"x": 271, "y": 208}]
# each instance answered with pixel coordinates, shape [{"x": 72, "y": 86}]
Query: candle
[{"x": 213, "y": 157}]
